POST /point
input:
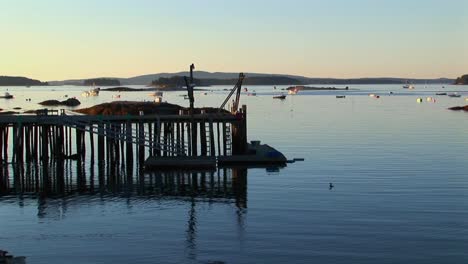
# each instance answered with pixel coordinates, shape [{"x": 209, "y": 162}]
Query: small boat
[
  {"x": 281, "y": 97},
  {"x": 7, "y": 95},
  {"x": 252, "y": 94},
  {"x": 92, "y": 92},
  {"x": 246, "y": 90},
  {"x": 441, "y": 93},
  {"x": 116, "y": 96},
  {"x": 293, "y": 91},
  {"x": 156, "y": 94},
  {"x": 454, "y": 95},
  {"x": 408, "y": 86},
  {"x": 341, "y": 96}
]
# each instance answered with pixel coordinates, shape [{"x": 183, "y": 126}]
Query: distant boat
[
  {"x": 408, "y": 86},
  {"x": 340, "y": 96},
  {"x": 293, "y": 91},
  {"x": 92, "y": 92},
  {"x": 156, "y": 94},
  {"x": 281, "y": 97},
  {"x": 441, "y": 93},
  {"x": 454, "y": 95},
  {"x": 7, "y": 95}
]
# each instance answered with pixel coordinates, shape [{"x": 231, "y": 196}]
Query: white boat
[
  {"x": 156, "y": 94},
  {"x": 293, "y": 91},
  {"x": 454, "y": 95},
  {"x": 92, "y": 92},
  {"x": 408, "y": 86}
]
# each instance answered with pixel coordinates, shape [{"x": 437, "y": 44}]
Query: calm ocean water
[{"x": 399, "y": 170}]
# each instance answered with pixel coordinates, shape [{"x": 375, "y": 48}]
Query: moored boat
[
  {"x": 156, "y": 94},
  {"x": 281, "y": 97},
  {"x": 92, "y": 92},
  {"x": 293, "y": 91},
  {"x": 7, "y": 95}
]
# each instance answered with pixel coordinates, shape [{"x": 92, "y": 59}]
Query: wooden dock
[{"x": 51, "y": 135}]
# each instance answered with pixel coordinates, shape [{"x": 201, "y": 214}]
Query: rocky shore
[{"x": 68, "y": 102}]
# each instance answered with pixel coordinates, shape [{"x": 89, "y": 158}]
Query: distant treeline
[
  {"x": 375, "y": 81},
  {"x": 19, "y": 81},
  {"x": 101, "y": 82},
  {"x": 462, "y": 80},
  {"x": 177, "y": 81}
]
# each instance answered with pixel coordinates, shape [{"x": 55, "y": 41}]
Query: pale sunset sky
[{"x": 61, "y": 39}]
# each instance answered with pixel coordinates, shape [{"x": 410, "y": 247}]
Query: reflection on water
[
  {"x": 60, "y": 185},
  {"x": 70, "y": 178}
]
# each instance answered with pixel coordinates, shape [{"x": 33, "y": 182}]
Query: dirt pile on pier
[
  {"x": 458, "y": 108},
  {"x": 134, "y": 108}
]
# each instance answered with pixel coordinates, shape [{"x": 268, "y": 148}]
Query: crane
[{"x": 237, "y": 89}]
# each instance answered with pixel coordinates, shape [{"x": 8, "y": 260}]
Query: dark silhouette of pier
[{"x": 118, "y": 139}]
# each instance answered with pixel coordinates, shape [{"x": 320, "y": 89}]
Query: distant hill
[
  {"x": 101, "y": 82},
  {"x": 262, "y": 79},
  {"x": 463, "y": 80},
  {"x": 19, "y": 81},
  {"x": 177, "y": 81}
]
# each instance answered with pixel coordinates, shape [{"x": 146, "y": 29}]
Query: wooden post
[
  {"x": 239, "y": 134},
  {"x": 218, "y": 138},
  {"x": 129, "y": 147},
  {"x": 2, "y": 130},
  {"x": 224, "y": 139},
  {"x": 203, "y": 150},
  {"x": 44, "y": 145},
  {"x": 194, "y": 138},
  {"x": 212, "y": 141},
  {"x": 100, "y": 142},
  {"x": 91, "y": 142},
  {"x": 141, "y": 138}
]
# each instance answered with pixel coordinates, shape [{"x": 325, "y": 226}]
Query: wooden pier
[{"x": 50, "y": 135}]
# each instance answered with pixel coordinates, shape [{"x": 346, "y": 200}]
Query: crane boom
[{"x": 237, "y": 89}]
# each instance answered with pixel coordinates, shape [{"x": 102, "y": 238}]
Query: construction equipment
[
  {"x": 237, "y": 89},
  {"x": 190, "y": 86}
]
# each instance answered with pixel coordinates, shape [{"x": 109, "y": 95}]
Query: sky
[{"x": 62, "y": 39}]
